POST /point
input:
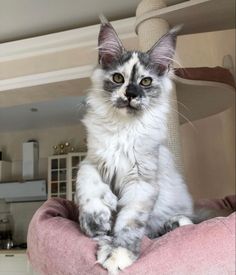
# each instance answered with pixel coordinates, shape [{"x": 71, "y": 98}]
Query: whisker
[
  {"x": 182, "y": 69},
  {"x": 148, "y": 109},
  {"x": 182, "y": 104},
  {"x": 183, "y": 116},
  {"x": 174, "y": 61},
  {"x": 94, "y": 89}
]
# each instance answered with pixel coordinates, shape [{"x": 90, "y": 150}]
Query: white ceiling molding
[
  {"x": 51, "y": 43},
  {"x": 46, "y": 78}
]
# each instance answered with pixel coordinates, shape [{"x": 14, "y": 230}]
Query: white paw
[
  {"x": 176, "y": 221},
  {"x": 181, "y": 220},
  {"x": 114, "y": 258}
]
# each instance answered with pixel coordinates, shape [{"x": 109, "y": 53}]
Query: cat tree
[{"x": 149, "y": 31}]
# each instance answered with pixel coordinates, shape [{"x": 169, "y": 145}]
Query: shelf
[
  {"x": 196, "y": 15},
  {"x": 58, "y": 181},
  {"x": 200, "y": 98}
]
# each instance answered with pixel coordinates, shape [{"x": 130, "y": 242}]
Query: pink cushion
[{"x": 57, "y": 247}]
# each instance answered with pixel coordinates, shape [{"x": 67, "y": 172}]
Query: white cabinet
[
  {"x": 62, "y": 171},
  {"x": 15, "y": 264}
]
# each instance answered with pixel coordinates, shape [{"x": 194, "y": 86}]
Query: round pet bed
[{"x": 56, "y": 246}]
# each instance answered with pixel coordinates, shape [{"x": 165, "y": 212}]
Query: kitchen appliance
[
  {"x": 34, "y": 190},
  {"x": 6, "y": 232},
  {"x": 30, "y": 161}
]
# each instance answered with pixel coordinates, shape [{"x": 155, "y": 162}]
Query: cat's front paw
[
  {"x": 95, "y": 216},
  {"x": 114, "y": 258}
]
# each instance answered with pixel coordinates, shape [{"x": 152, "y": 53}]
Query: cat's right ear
[
  {"x": 162, "y": 52},
  {"x": 110, "y": 47}
]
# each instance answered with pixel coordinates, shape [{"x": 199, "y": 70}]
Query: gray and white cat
[{"x": 128, "y": 185}]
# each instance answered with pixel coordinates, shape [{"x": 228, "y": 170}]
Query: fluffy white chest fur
[{"x": 119, "y": 146}]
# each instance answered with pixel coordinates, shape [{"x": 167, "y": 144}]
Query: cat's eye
[
  {"x": 118, "y": 78},
  {"x": 146, "y": 81}
]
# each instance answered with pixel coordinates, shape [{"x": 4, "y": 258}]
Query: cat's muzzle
[{"x": 129, "y": 103}]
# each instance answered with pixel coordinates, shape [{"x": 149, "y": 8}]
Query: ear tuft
[
  {"x": 109, "y": 45},
  {"x": 176, "y": 29},
  {"x": 103, "y": 19},
  {"x": 162, "y": 52}
]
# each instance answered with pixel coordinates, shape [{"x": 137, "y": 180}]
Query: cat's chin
[{"x": 128, "y": 110}]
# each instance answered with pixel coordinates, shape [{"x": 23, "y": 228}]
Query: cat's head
[{"x": 130, "y": 81}]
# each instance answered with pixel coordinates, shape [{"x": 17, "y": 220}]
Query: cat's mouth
[{"x": 130, "y": 104}]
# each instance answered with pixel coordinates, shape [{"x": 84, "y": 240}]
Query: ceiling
[
  {"x": 44, "y": 106},
  {"x": 28, "y": 18},
  {"x": 47, "y": 114}
]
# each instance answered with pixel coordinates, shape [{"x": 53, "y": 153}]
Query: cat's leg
[
  {"x": 135, "y": 206},
  {"x": 174, "y": 206},
  {"x": 95, "y": 200}
]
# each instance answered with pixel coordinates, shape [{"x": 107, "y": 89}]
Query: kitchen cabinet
[
  {"x": 62, "y": 171},
  {"x": 14, "y": 262}
]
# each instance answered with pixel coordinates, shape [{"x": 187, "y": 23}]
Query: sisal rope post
[{"x": 149, "y": 31}]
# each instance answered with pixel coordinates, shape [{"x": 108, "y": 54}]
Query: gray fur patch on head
[
  {"x": 110, "y": 86},
  {"x": 121, "y": 103}
]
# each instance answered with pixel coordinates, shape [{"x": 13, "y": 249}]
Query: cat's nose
[
  {"x": 131, "y": 94},
  {"x": 132, "y": 91}
]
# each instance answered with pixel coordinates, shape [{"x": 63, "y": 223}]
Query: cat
[{"x": 128, "y": 185}]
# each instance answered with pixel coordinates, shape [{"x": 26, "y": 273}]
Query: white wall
[
  {"x": 209, "y": 155},
  {"x": 205, "y": 49},
  {"x": 209, "y": 150}
]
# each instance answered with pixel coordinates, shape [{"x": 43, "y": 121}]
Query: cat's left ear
[
  {"x": 110, "y": 47},
  {"x": 162, "y": 52}
]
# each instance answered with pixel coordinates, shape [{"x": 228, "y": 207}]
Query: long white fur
[{"x": 121, "y": 140}]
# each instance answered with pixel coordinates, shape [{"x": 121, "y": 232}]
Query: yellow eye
[
  {"x": 118, "y": 78},
  {"x": 146, "y": 81}
]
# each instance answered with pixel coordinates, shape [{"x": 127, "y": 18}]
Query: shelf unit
[{"x": 62, "y": 171}]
